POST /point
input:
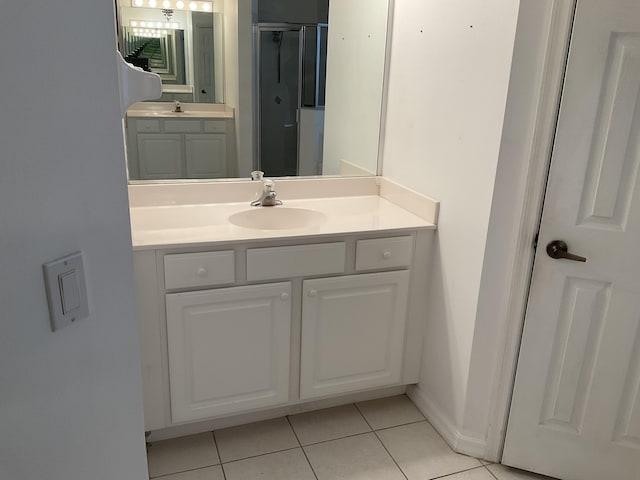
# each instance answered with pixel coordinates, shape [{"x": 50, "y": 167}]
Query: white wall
[
  {"x": 238, "y": 32},
  {"x": 450, "y": 66},
  {"x": 70, "y": 401},
  {"x": 355, "y": 72}
]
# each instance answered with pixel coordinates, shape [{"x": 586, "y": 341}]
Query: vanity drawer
[
  {"x": 152, "y": 126},
  {"x": 182, "y": 126},
  {"x": 199, "y": 269},
  {"x": 296, "y": 261},
  {"x": 384, "y": 253},
  {"x": 215, "y": 126}
]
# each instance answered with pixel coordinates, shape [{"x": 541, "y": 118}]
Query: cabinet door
[
  {"x": 206, "y": 156},
  {"x": 159, "y": 156},
  {"x": 352, "y": 333},
  {"x": 228, "y": 350}
]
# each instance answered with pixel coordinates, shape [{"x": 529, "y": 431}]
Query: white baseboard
[
  {"x": 258, "y": 416},
  {"x": 458, "y": 441}
]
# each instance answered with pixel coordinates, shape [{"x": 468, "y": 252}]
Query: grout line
[
  {"x": 490, "y": 472},
  {"x": 259, "y": 455},
  {"x": 301, "y": 447},
  {"x": 448, "y": 475},
  {"x": 401, "y": 425},
  {"x": 381, "y": 443},
  {"x": 215, "y": 442},
  {"x": 164, "y": 475}
]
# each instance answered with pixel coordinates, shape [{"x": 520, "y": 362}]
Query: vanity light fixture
[
  {"x": 203, "y": 6},
  {"x": 156, "y": 25}
]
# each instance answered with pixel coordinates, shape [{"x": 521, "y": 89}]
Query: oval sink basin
[{"x": 277, "y": 218}]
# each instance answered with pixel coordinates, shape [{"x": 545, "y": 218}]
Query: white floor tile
[
  {"x": 354, "y": 458},
  {"x": 390, "y": 412},
  {"x": 503, "y": 472},
  {"x": 287, "y": 465},
  {"x": 210, "y": 473},
  {"x": 328, "y": 424},
  {"x": 245, "y": 441},
  {"x": 421, "y": 453},
  {"x": 181, "y": 454},
  {"x": 475, "y": 474}
]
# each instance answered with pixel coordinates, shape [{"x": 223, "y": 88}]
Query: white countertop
[{"x": 188, "y": 225}]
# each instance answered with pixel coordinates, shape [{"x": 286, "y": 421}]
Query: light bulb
[
  {"x": 143, "y": 24},
  {"x": 180, "y": 4},
  {"x": 138, "y": 3},
  {"x": 158, "y": 24},
  {"x": 174, "y": 25},
  {"x": 166, "y": 4},
  {"x": 193, "y": 6},
  {"x": 134, "y": 23},
  {"x": 206, "y": 7},
  {"x": 153, "y": 3}
]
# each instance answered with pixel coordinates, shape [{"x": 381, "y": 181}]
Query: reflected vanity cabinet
[
  {"x": 161, "y": 148},
  {"x": 234, "y": 329}
]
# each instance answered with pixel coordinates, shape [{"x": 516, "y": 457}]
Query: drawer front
[
  {"x": 152, "y": 126},
  {"x": 182, "y": 126},
  {"x": 199, "y": 269},
  {"x": 384, "y": 253},
  {"x": 215, "y": 126},
  {"x": 296, "y": 261}
]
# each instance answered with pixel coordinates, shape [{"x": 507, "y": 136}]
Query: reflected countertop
[{"x": 190, "y": 110}]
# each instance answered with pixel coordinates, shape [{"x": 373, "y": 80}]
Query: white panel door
[
  {"x": 228, "y": 350},
  {"x": 576, "y": 406},
  {"x": 206, "y": 155},
  {"x": 159, "y": 156},
  {"x": 352, "y": 333}
]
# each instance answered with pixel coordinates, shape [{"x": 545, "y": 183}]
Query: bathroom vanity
[
  {"x": 244, "y": 309},
  {"x": 197, "y": 142}
]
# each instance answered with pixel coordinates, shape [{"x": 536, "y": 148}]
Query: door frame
[{"x": 534, "y": 123}]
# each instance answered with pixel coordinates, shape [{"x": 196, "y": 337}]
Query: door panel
[
  {"x": 228, "y": 350},
  {"x": 575, "y": 413},
  {"x": 352, "y": 333}
]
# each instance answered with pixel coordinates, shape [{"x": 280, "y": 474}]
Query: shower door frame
[{"x": 258, "y": 28}]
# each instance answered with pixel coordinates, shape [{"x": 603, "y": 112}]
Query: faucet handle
[{"x": 257, "y": 175}]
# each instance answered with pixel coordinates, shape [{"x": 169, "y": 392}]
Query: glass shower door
[{"x": 279, "y": 58}]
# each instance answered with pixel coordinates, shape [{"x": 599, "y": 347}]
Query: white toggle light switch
[
  {"x": 69, "y": 291},
  {"x": 66, "y": 290}
]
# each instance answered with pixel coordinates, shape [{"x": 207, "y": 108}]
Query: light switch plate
[{"x": 66, "y": 290}]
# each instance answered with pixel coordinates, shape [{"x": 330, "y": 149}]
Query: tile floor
[{"x": 386, "y": 439}]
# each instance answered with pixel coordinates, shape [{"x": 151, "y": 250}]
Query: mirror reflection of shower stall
[{"x": 291, "y": 64}]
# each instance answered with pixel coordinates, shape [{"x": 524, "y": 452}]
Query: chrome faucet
[
  {"x": 268, "y": 196},
  {"x": 177, "y": 108}
]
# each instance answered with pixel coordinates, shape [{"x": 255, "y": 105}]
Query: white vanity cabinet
[
  {"x": 352, "y": 333},
  {"x": 161, "y": 148},
  {"x": 238, "y": 328},
  {"x": 228, "y": 349}
]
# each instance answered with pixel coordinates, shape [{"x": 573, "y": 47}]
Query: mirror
[
  {"x": 287, "y": 87},
  {"x": 182, "y": 45}
]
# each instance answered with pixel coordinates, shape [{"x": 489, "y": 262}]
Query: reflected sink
[{"x": 277, "y": 218}]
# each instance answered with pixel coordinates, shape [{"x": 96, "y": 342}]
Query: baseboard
[
  {"x": 459, "y": 442},
  {"x": 258, "y": 416}
]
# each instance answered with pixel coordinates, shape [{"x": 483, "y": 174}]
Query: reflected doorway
[{"x": 291, "y": 68}]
